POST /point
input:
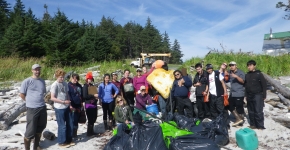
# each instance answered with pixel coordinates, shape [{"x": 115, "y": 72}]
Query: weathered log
[
  {"x": 48, "y": 135},
  {"x": 11, "y": 140},
  {"x": 7, "y": 117},
  {"x": 280, "y": 88},
  {"x": 284, "y": 100},
  {"x": 285, "y": 121}
]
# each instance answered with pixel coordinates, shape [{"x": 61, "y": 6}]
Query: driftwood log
[
  {"x": 7, "y": 117},
  {"x": 280, "y": 88},
  {"x": 285, "y": 121},
  {"x": 284, "y": 100}
]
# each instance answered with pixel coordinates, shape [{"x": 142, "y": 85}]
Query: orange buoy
[{"x": 159, "y": 63}]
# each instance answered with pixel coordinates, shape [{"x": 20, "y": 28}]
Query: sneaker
[
  {"x": 72, "y": 143},
  {"x": 64, "y": 145}
]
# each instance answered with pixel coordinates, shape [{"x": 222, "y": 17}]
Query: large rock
[
  {"x": 268, "y": 107},
  {"x": 284, "y": 80}
]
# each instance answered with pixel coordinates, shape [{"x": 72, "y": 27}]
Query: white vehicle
[{"x": 147, "y": 59}]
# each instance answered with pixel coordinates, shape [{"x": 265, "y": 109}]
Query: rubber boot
[
  {"x": 239, "y": 120},
  {"x": 106, "y": 125},
  {"x": 37, "y": 137},
  {"x": 89, "y": 130},
  {"x": 110, "y": 125},
  {"x": 75, "y": 133},
  {"x": 27, "y": 143}
]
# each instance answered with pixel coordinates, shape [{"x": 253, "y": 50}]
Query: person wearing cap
[
  {"x": 143, "y": 99},
  {"x": 32, "y": 91},
  {"x": 255, "y": 87},
  {"x": 90, "y": 103},
  {"x": 180, "y": 89},
  {"x": 217, "y": 89},
  {"x": 139, "y": 80},
  {"x": 127, "y": 81},
  {"x": 60, "y": 97},
  {"x": 201, "y": 83},
  {"x": 76, "y": 95},
  {"x": 237, "y": 93}
]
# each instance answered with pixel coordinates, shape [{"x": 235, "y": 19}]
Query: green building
[{"x": 277, "y": 43}]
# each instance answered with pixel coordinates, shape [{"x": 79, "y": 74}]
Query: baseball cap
[
  {"x": 209, "y": 66},
  {"x": 35, "y": 66},
  {"x": 233, "y": 63},
  {"x": 138, "y": 69},
  {"x": 114, "y": 73},
  {"x": 142, "y": 88}
]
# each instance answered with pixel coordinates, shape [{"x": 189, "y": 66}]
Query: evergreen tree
[
  {"x": 176, "y": 53},
  {"x": 18, "y": 10},
  {"x": 165, "y": 43},
  {"x": 4, "y": 16}
]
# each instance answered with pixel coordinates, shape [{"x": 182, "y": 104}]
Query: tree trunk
[
  {"x": 280, "y": 88},
  {"x": 7, "y": 117}
]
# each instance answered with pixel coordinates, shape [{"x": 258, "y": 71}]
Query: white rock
[
  {"x": 287, "y": 115},
  {"x": 54, "y": 118},
  {"x": 268, "y": 107},
  {"x": 50, "y": 113},
  {"x": 48, "y": 107},
  {"x": 22, "y": 119},
  {"x": 49, "y": 118}
]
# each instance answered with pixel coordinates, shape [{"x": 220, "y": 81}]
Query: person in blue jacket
[
  {"x": 180, "y": 89},
  {"x": 107, "y": 93}
]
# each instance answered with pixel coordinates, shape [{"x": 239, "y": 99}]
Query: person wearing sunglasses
[
  {"x": 180, "y": 90},
  {"x": 123, "y": 113}
]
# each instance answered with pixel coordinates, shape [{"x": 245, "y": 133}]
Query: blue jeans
[
  {"x": 162, "y": 104},
  {"x": 64, "y": 126},
  {"x": 74, "y": 119}
]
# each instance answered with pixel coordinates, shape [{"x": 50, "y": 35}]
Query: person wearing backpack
[
  {"x": 107, "y": 93},
  {"x": 75, "y": 93},
  {"x": 127, "y": 88}
]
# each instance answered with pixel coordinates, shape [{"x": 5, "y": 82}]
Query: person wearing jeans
[
  {"x": 75, "y": 93},
  {"x": 59, "y": 94}
]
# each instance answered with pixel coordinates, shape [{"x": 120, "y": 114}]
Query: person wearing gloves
[
  {"x": 123, "y": 113},
  {"x": 107, "y": 97}
]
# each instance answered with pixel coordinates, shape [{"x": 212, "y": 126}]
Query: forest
[{"x": 60, "y": 40}]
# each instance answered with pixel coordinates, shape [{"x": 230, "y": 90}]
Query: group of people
[
  {"x": 118, "y": 98},
  {"x": 235, "y": 85}
]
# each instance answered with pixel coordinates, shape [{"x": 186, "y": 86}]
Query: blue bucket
[{"x": 152, "y": 109}]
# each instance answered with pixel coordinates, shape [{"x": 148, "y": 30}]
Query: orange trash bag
[{"x": 226, "y": 100}]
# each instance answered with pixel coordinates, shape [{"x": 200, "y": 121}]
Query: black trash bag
[
  {"x": 146, "y": 136},
  {"x": 216, "y": 130},
  {"x": 183, "y": 122},
  {"x": 192, "y": 141},
  {"x": 197, "y": 128},
  {"x": 118, "y": 141}
]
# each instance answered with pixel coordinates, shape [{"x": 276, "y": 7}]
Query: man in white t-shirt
[{"x": 217, "y": 90}]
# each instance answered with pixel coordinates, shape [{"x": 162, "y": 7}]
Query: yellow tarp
[{"x": 162, "y": 81}]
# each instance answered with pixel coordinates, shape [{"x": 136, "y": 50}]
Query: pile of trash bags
[{"x": 178, "y": 134}]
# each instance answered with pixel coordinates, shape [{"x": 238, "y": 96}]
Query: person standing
[
  {"x": 237, "y": 93},
  {"x": 75, "y": 93},
  {"x": 116, "y": 82},
  {"x": 32, "y": 91},
  {"x": 201, "y": 83},
  {"x": 255, "y": 86},
  {"x": 107, "y": 97},
  {"x": 139, "y": 80},
  {"x": 217, "y": 89},
  {"x": 90, "y": 103},
  {"x": 127, "y": 88},
  {"x": 180, "y": 90},
  {"x": 61, "y": 99}
]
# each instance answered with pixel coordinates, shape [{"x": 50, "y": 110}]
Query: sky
[{"x": 197, "y": 25}]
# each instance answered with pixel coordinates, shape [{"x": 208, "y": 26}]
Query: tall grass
[
  {"x": 272, "y": 65},
  {"x": 17, "y": 69}
]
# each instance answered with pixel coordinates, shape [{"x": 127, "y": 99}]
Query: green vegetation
[
  {"x": 16, "y": 69},
  {"x": 61, "y": 40},
  {"x": 272, "y": 65}
]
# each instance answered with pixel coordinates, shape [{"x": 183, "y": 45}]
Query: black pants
[
  {"x": 129, "y": 97},
  {"x": 108, "y": 108},
  {"x": 36, "y": 121},
  {"x": 216, "y": 105},
  {"x": 184, "y": 103},
  {"x": 236, "y": 103},
  {"x": 92, "y": 114},
  {"x": 255, "y": 104},
  {"x": 202, "y": 108}
]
